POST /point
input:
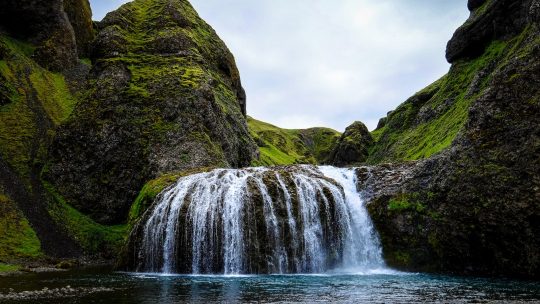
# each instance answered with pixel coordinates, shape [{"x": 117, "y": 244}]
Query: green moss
[
  {"x": 9, "y": 267},
  {"x": 406, "y": 202},
  {"x": 17, "y": 239},
  {"x": 401, "y": 258},
  {"x": 153, "y": 188},
  {"x": 86, "y": 61},
  {"x": 94, "y": 238},
  {"x": 289, "y": 146},
  {"x": 406, "y": 137},
  {"x": 52, "y": 91},
  {"x": 33, "y": 88},
  {"x": 17, "y": 46}
]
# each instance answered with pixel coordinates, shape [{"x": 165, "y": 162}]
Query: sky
[{"x": 314, "y": 63}]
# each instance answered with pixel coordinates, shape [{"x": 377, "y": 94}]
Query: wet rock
[{"x": 51, "y": 293}]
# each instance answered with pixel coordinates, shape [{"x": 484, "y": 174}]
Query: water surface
[{"x": 336, "y": 288}]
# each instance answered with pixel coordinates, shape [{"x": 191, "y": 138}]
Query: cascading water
[{"x": 300, "y": 219}]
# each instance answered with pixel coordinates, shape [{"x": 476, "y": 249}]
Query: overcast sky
[{"x": 307, "y": 63}]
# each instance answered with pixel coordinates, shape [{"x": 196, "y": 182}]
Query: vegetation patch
[
  {"x": 406, "y": 202},
  {"x": 38, "y": 91},
  {"x": 94, "y": 238},
  {"x": 9, "y": 267},
  {"x": 18, "y": 241},
  {"x": 291, "y": 146},
  {"x": 153, "y": 188},
  {"x": 428, "y": 122}
]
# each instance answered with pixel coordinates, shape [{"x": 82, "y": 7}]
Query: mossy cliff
[
  {"x": 79, "y": 139},
  {"x": 279, "y": 146},
  {"x": 473, "y": 206},
  {"x": 47, "y": 25},
  {"x": 164, "y": 96},
  {"x": 33, "y": 102},
  {"x": 352, "y": 147}
]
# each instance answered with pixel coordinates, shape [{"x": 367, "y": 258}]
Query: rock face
[
  {"x": 80, "y": 16},
  {"x": 41, "y": 81},
  {"x": 165, "y": 96},
  {"x": 475, "y": 207},
  {"x": 45, "y": 24},
  {"x": 353, "y": 146},
  {"x": 489, "y": 20}
]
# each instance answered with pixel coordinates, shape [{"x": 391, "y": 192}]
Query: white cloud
[{"x": 328, "y": 63}]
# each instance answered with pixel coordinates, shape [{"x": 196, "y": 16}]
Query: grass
[
  {"x": 279, "y": 146},
  {"x": 405, "y": 138},
  {"x": 9, "y": 267},
  {"x": 17, "y": 239},
  {"x": 93, "y": 237}
]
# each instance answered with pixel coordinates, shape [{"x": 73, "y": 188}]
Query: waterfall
[{"x": 301, "y": 219}]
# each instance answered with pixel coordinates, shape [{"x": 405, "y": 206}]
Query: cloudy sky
[{"x": 307, "y": 63}]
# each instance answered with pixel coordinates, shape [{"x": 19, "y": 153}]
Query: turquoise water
[{"x": 99, "y": 286}]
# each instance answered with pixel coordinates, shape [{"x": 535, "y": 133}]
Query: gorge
[{"x": 127, "y": 142}]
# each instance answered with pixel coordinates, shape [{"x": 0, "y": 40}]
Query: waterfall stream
[{"x": 301, "y": 219}]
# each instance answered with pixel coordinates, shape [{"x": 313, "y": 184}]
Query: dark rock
[
  {"x": 80, "y": 16},
  {"x": 352, "y": 147},
  {"x": 382, "y": 123},
  {"x": 474, "y": 4},
  {"x": 500, "y": 19},
  {"x": 45, "y": 24}
]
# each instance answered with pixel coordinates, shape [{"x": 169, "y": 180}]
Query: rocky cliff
[
  {"x": 164, "y": 96},
  {"x": 474, "y": 207},
  {"x": 37, "y": 41},
  {"x": 80, "y": 137}
]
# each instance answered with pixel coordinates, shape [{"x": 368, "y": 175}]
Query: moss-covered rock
[
  {"x": 489, "y": 20},
  {"x": 18, "y": 241},
  {"x": 44, "y": 24},
  {"x": 353, "y": 146},
  {"x": 80, "y": 16},
  {"x": 472, "y": 208},
  {"x": 165, "y": 96},
  {"x": 279, "y": 146},
  {"x": 428, "y": 122}
]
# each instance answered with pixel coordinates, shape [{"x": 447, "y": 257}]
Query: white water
[{"x": 259, "y": 220}]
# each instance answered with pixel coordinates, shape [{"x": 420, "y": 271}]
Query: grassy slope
[
  {"x": 407, "y": 137},
  {"x": 288, "y": 146},
  {"x": 18, "y": 241},
  {"x": 25, "y": 87}
]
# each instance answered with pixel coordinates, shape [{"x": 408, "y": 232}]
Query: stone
[{"x": 352, "y": 147}]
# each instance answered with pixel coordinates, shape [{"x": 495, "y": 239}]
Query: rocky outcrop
[
  {"x": 45, "y": 24},
  {"x": 490, "y": 20},
  {"x": 473, "y": 208},
  {"x": 80, "y": 16},
  {"x": 165, "y": 97},
  {"x": 353, "y": 146}
]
